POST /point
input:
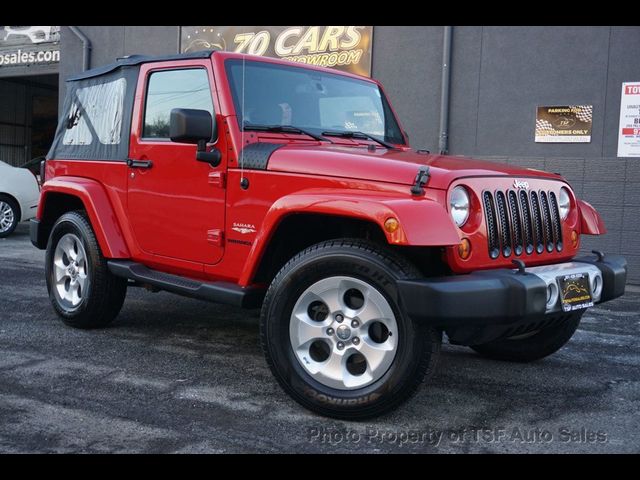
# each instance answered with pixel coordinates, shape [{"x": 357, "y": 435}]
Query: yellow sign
[{"x": 345, "y": 48}]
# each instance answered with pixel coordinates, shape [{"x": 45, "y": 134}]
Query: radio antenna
[{"x": 243, "y": 182}]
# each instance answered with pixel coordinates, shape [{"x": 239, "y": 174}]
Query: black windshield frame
[{"x": 391, "y": 124}]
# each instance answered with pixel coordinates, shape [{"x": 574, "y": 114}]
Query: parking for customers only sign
[
  {"x": 629, "y": 128},
  {"x": 564, "y": 124}
]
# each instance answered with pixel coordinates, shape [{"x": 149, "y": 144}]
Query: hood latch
[{"x": 421, "y": 180}]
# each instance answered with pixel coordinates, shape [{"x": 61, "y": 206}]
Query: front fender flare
[
  {"x": 591, "y": 222},
  {"x": 98, "y": 207},
  {"x": 423, "y": 222}
]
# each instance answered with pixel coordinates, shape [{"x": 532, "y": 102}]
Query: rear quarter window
[{"x": 96, "y": 114}]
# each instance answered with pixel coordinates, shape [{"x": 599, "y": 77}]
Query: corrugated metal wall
[{"x": 15, "y": 122}]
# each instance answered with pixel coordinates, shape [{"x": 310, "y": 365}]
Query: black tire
[
  {"x": 15, "y": 208},
  {"x": 105, "y": 293},
  {"x": 531, "y": 348},
  {"x": 417, "y": 349}
]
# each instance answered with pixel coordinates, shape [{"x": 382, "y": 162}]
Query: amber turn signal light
[
  {"x": 464, "y": 249},
  {"x": 391, "y": 225},
  {"x": 574, "y": 238}
]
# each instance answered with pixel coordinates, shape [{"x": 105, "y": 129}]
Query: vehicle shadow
[{"x": 467, "y": 391}]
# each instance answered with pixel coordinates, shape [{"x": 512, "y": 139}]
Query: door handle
[{"x": 139, "y": 163}]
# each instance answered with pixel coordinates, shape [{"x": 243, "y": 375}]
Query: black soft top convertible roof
[
  {"x": 133, "y": 60},
  {"x": 95, "y": 121}
]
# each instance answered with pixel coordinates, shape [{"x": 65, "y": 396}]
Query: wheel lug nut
[
  {"x": 355, "y": 324},
  {"x": 340, "y": 345},
  {"x": 329, "y": 331},
  {"x": 355, "y": 340},
  {"x": 339, "y": 318}
]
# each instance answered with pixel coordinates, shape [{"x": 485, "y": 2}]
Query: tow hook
[{"x": 520, "y": 265}]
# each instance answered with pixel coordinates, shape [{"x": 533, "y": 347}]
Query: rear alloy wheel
[
  {"x": 82, "y": 290},
  {"x": 70, "y": 271},
  {"x": 9, "y": 216},
  {"x": 335, "y": 334}
]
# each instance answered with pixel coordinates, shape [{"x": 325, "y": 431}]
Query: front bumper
[{"x": 485, "y": 305}]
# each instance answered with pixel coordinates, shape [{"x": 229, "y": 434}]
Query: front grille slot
[
  {"x": 503, "y": 222},
  {"x": 492, "y": 225},
  {"x": 516, "y": 223},
  {"x": 557, "y": 227},
  {"x": 537, "y": 223},
  {"x": 520, "y": 222},
  {"x": 548, "y": 227},
  {"x": 527, "y": 228}
]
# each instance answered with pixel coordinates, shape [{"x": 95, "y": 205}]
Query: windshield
[{"x": 316, "y": 101}]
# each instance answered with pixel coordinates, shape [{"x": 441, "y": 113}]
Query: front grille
[{"x": 522, "y": 222}]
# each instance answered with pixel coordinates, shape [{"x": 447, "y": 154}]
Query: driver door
[{"x": 175, "y": 210}]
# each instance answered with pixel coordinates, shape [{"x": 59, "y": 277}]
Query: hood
[{"x": 388, "y": 165}]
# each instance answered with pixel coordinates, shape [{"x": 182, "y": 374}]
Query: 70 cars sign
[{"x": 343, "y": 47}]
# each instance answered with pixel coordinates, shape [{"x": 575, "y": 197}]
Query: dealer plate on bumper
[{"x": 575, "y": 292}]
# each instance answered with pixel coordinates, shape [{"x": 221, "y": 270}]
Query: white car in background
[{"x": 19, "y": 195}]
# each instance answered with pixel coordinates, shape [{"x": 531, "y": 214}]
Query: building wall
[{"x": 499, "y": 76}]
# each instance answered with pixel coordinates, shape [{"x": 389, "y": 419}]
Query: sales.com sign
[
  {"x": 30, "y": 45},
  {"x": 346, "y": 48}
]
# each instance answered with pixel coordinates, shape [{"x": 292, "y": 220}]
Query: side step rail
[{"x": 218, "y": 292}]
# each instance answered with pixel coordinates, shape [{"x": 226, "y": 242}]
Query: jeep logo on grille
[{"x": 518, "y": 184}]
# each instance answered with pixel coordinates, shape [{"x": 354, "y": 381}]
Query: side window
[
  {"x": 96, "y": 111},
  {"x": 171, "y": 89}
]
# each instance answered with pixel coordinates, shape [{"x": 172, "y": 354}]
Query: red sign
[
  {"x": 631, "y": 131},
  {"x": 632, "y": 89}
]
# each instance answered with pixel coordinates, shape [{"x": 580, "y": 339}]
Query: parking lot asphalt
[{"x": 178, "y": 375}]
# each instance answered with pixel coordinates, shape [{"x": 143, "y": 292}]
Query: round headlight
[
  {"x": 459, "y": 205},
  {"x": 564, "y": 203}
]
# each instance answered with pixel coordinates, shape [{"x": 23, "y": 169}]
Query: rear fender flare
[{"x": 99, "y": 210}]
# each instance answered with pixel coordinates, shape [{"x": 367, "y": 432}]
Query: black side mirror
[{"x": 187, "y": 125}]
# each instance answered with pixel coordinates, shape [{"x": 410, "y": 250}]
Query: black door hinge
[{"x": 421, "y": 180}]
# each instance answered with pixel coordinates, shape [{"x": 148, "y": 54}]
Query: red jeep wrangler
[{"x": 264, "y": 183}]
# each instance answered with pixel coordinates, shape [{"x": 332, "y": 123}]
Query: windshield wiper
[
  {"x": 352, "y": 134},
  {"x": 284, "y": 129}
]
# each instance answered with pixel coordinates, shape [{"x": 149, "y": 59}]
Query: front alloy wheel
[
  {"x": 335, "y": 334},
  {"x": 343, "y": 332}
]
